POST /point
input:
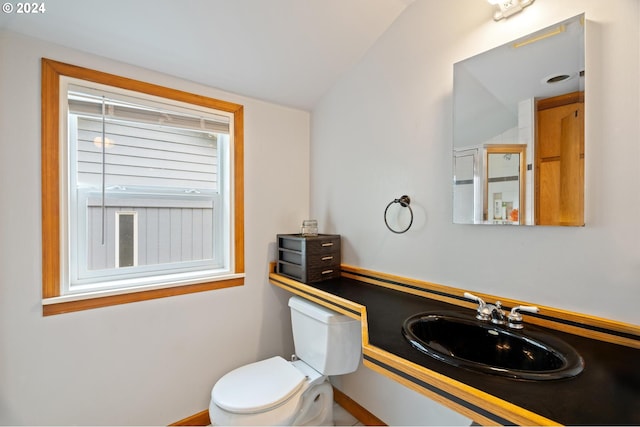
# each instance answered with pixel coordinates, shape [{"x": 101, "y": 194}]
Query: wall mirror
[{"x": 518, "y": 136}]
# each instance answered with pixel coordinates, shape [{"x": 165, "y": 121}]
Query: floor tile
[{"x": 343, "y": 418}]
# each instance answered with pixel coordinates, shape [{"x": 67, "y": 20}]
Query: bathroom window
[{"x": 142, "y": 190}]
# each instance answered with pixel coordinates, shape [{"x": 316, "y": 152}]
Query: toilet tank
[{"x": 327, "y": 341}]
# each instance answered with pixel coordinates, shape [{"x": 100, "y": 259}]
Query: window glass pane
[
  {"x": 145, "y": 155},
  {"x": 164, "y": 168}
]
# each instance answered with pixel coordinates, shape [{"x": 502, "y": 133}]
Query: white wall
[
  {"x": 146, "y": 363},
  {"x": 385, "y": 130}
]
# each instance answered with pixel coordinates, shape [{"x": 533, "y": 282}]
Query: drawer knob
[
  {"x": 326, "y": 258},
  {"x": 327, "y": 271},
  {"x": 327, "y": 244}
]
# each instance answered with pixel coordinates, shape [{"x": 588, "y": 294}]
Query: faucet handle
[
  {"x": 484, "y": 313},
  {"x": 515, "y": 318},
  {"x": 474, "y": 298}
]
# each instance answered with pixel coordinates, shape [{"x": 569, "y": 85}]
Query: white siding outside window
[{"x": 147, "y": 188}]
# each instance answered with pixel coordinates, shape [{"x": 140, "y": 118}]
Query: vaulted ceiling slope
[{"x": 289, "y": 52}]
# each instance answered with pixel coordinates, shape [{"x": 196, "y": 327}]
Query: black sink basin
[{"x": 484, "y": 347}]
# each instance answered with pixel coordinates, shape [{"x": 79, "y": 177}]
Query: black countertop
[{"x": 607, "y": 392}]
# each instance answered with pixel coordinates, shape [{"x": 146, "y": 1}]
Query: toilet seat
[{"x": 272, "y": 382}]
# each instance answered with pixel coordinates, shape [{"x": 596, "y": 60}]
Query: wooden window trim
[{"x": 51, "y": 73}]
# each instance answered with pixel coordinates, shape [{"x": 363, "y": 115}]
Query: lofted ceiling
[{"x": 289, "y": 52}]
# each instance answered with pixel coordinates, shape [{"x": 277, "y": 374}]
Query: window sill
[{"x": 87, "y": 301}]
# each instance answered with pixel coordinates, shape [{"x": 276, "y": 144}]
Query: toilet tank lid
[
  {"x": 257, "y": 387},
  {"x": 317, "y": 311}
]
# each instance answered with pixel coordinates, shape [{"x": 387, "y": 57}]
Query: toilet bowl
[
  {"x": 272, "y": 392},
  {"x": 275, "y": 391}
]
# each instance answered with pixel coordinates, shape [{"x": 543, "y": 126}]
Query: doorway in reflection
[{"x": 504, "y": 184}]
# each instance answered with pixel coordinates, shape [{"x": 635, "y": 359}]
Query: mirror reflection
[{"x": 518, "y": 137}]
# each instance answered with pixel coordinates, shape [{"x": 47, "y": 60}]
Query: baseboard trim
[
  {"x": 350, "y": 405},
  {"x": 199, "y": 419},
  {"x": 354, "y": 408}
]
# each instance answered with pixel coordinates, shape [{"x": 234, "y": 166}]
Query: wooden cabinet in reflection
[{"x": 559, "y": 173}]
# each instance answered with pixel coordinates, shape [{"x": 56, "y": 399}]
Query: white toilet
[{"x": 277, "y": 392}]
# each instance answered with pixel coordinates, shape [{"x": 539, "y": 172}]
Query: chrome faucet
[
  {"x": 486, "y": 312},
  {"x": 495, "y": 314}
]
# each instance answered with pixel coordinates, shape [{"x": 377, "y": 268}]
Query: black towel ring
[{"x": 405, "y": 202}]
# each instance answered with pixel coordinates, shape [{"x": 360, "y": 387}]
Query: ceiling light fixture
[{"x": 508, "y": 7}]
